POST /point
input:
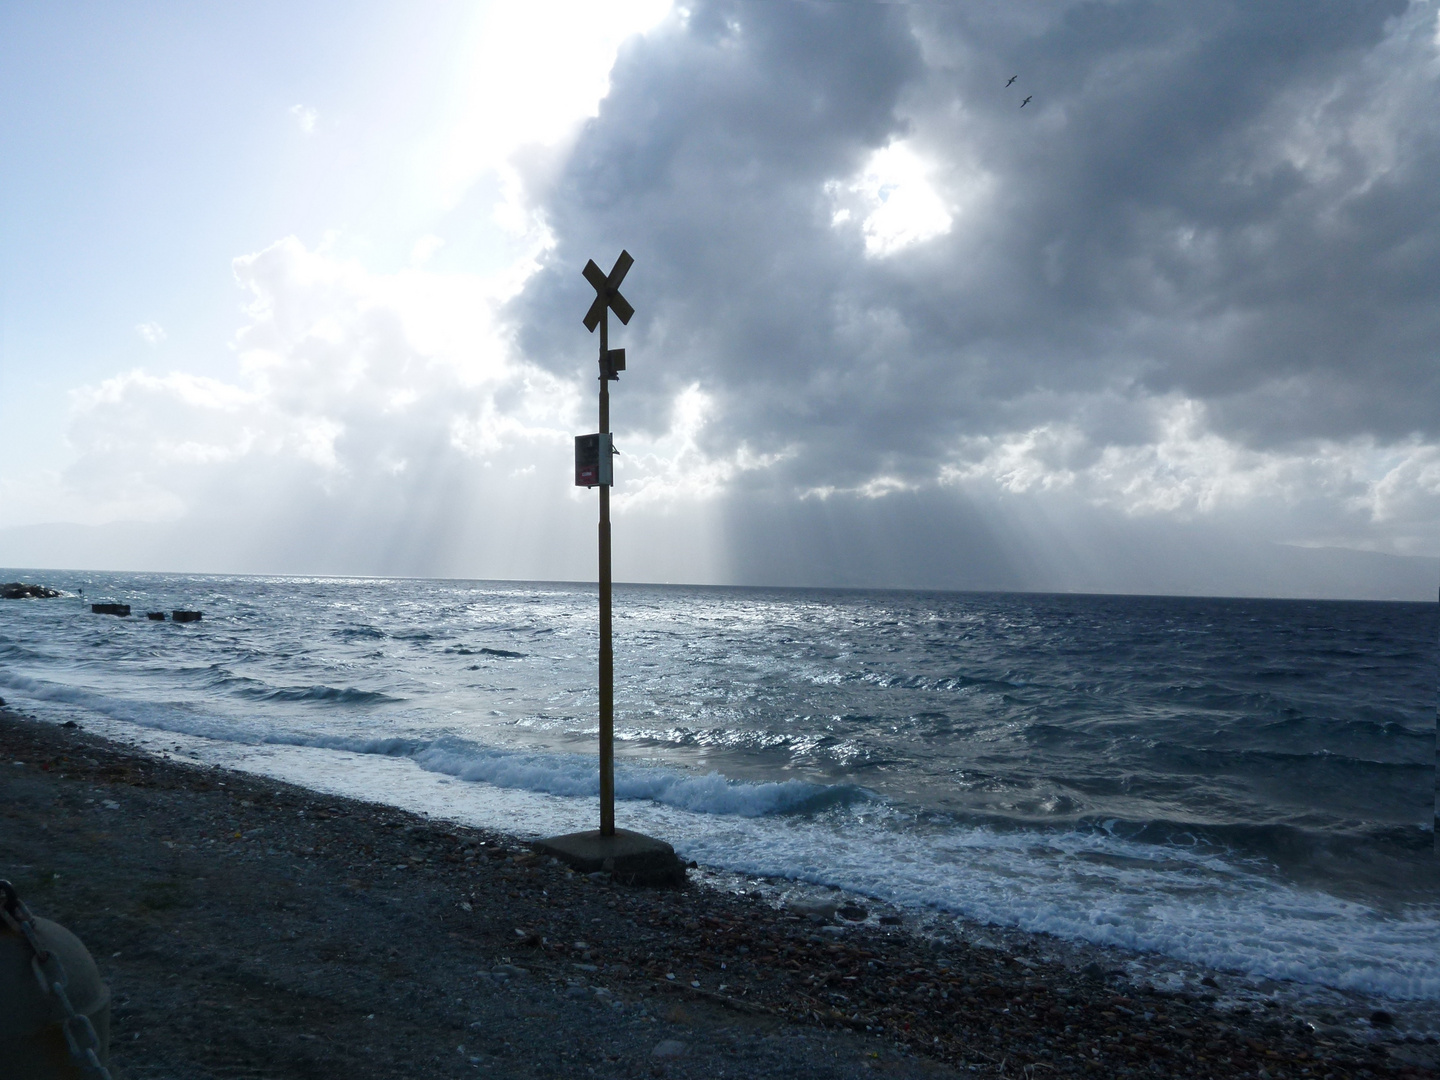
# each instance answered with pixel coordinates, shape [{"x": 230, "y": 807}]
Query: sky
[{"x": 298, "y": 290}]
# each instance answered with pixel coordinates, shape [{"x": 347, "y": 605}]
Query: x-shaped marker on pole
[{"x": 607, "y": 290}]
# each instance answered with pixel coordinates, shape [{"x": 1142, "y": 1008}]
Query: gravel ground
[{"x": 249, "y": 928}]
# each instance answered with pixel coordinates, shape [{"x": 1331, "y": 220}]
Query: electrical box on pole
[{"x": 594, "y": 458}]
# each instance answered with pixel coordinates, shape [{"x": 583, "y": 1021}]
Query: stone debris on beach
[
  {"x": 263, "y": 929},
  {"x": 815, "y": 910}
]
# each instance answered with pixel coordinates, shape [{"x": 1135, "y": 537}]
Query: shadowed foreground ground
[{"x": 252, "y": 929}]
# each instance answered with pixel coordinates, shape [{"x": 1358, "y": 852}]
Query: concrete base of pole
[{"x": 630, "y": 857}]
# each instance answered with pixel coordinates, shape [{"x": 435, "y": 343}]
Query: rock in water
[
  {"x": 110, "y": 609},
  {"x": 18, "y": 590},
  {"x": 185, "y": 616}
]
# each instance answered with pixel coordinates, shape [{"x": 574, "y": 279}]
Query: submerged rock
[{"x": 18, "y": 590}]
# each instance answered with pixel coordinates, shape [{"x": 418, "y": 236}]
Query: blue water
[{"x": 1247, "y": 784}]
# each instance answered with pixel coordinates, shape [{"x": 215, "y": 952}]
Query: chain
[{"x": 80, "y": 1035}]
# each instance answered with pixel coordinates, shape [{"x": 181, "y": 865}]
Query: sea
[{"x": 1243, "y": 785}]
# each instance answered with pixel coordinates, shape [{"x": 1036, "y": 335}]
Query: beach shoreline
[{"x": 244, "y": 923}]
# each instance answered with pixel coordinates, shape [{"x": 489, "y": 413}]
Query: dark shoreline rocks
[
  {"x": 250, "y": 927},
  {"x": 19, "y": 590}
]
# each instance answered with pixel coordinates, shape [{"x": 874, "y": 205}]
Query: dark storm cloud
[
  {"x": 1234, "y": 203},
  {"x": 708, "y": 162},
  {"x": 1164, "y": 222}
]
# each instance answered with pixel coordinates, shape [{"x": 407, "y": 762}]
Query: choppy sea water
[{"x": 1243, "y": 784}]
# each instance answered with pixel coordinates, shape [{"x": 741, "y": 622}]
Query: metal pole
[{"x": 607, "y": 656}]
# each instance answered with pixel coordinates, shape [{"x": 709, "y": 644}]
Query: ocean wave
[
  {"x": 362, "y": 633},
  {"x": 14, "y": 650},
  {"x": 577, "y": 775},
  {"x": 391, "y": 746},
  {"x": 927, "y": 683},
  {"x": 1219, "y": 761},
  {"x": 331, "y": 695},
  {"x": 178, "y": 717},
  {"x": 1352, "y": 731}
]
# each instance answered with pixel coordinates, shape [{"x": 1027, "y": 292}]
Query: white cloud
[
  {"x": 425, "y": 249},
  {"x": 1373, "y": 496},
  {"x": 344, "y": 378},
  {"x": 1405, "y": 501},
  {"x": 151, "y": 332},
  {"x": 672, "y": 470},
  {"x": 376, "y": 413},
  {"x": 876, "y": 487},
  {"x": 305, "y": 118}
]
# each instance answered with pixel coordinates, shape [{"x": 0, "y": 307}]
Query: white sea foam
[
  {"x": 550, "y": 773},
  {"x": 147, "y": 713},
  {"x": 1200, "y": 909},
  {"x": 578, "y": 775}
]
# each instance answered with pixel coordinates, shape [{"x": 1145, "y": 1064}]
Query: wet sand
[{"x": 250, "y": 928}]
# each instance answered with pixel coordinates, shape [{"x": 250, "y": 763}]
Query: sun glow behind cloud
[
  {"x": 892, "y": 200},
  {"x": 535, "y": 72},
  {"x": 348, "y": 378}
]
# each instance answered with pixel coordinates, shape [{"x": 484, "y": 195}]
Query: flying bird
[
  {"x": 1012, "y": 79},
  {"x": 1026, "y": 101}
]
